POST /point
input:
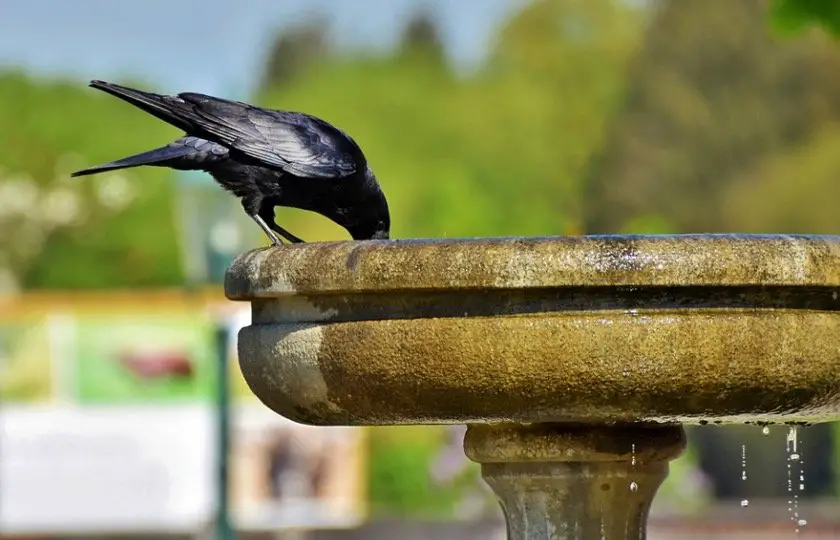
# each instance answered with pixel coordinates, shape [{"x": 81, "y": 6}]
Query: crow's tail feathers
[
  {"x": 160, "y": 157},
  {"x": 171, "y": 109},
  {"x": 188, "y": 153}
]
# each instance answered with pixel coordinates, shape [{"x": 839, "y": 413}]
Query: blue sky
[{"x": 207, "y": 45}]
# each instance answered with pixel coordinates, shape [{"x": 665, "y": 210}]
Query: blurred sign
[
  {"x": 287, "y": 475},
  {"x": 93, "y": 470},
  {"x": 107, "y": 427},
  {"x": 148, "y": 355},
  {"x": 141, "y": 469},
  {"x": 163, "y": 356}
]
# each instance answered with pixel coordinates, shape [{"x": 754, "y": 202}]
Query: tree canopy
[{"x": 792, "y": 16}]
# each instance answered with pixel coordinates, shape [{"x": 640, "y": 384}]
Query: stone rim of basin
[
  {"x": 595, "y": 329},
  {"x": 482, "y": 263}
]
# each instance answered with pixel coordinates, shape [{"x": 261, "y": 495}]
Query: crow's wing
[{"x": 294, "y": 142}]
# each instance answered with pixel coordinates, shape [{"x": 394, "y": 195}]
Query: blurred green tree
[
  {"x": 57, "y": 232},
  {"x": 293, "y": 51},
  {"x": 557, "y": 71},
  {"x": 711, "y": 94},
  {"x": 421, "y": 37},
  {"x": 794, "y": 191},
  {"x": 499, "y": 152},
  {"x": 792, "y": 16}
]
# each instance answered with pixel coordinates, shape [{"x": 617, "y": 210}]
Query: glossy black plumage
[{"x": 265, "y": 157}]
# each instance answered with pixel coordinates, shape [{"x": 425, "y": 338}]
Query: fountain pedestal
[
  {"x": 573, "y": 360},
  {"x": 556, "y": 482}
]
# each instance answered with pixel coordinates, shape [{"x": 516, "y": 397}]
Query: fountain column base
[{"x": 568, "y": 482}]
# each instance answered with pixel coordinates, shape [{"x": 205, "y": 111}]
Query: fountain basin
[{"x": 583, "y": 330}]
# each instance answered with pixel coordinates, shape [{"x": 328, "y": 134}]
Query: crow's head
[{"x": 370, "y": 219}]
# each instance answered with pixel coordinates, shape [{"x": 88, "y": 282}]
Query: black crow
[{"x": 265, "y": 157}]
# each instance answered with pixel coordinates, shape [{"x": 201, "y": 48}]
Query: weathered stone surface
[
  {"x": 588, "y": 329},
  {"x": 519, "y": 263}
]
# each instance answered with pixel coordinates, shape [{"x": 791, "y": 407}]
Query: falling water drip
[
  {"x": 788, "y": 443},
  {"x": 633, "y": 485},
  {"x": 765, "y": 430},
  {"x": 743, "y": 462},
  {"x": 800, "y": 522},
  {"x": 744, "y": 502},
  {"x": 794, "y": 456}
]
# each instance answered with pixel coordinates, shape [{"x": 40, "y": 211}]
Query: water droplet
[
  {"x": 743, "y": 462},
  {"x": 634, "y": 487},
  {"x": 802, "y": 522},
  {"x": 745, "y": 502},
  {"x": 794, "y": 457},
  {"x": 765, "y": 431},
  {"x": 633, "y": 454},
  {"x": 791, "y": 439}
]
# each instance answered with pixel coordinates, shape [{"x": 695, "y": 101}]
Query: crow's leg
[
  {"x": 252, "y": 205},
  {"x": 266, "y": 212}
]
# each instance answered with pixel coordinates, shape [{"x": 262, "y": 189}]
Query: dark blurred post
[
  {"x": 224, "y": 530},
  {"x": 211, "y": 236},
  {"x": 212, "y": 228},
  {"x": 189, "y": 223}
]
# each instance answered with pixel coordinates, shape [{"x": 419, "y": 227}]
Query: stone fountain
[{"x": 574, "y": 361}]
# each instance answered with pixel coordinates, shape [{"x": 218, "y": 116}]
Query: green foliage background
[{"x": 791, "y": 16}]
